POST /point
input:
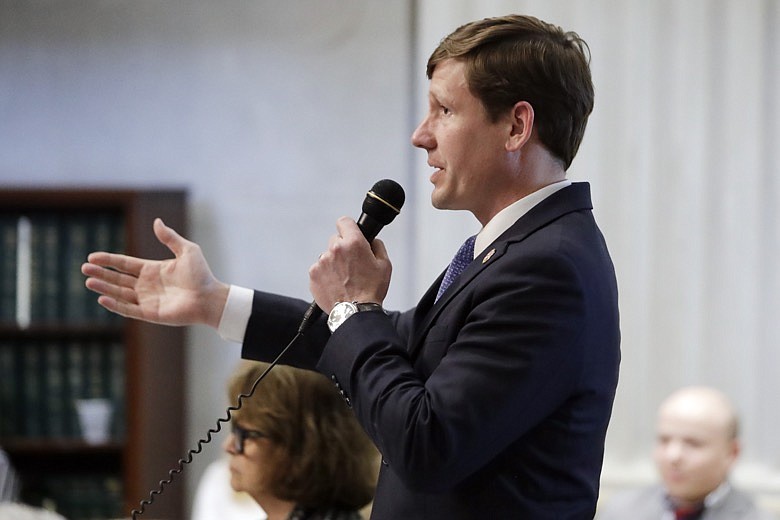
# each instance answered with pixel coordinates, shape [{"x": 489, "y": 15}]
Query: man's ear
[
  {"x": 735, "y": 448},
  {"x": 522, "y": 126}
]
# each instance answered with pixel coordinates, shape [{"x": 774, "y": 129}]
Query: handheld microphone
[{"x": 381, "y": 205}]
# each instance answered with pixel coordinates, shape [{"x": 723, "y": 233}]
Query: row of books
[
  {"x": 40, "y": 265},
  {"x": 40, "y": 382},
  {"x": 81, "y": 497}
]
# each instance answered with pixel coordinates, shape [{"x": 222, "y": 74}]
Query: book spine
[
  {"x": 32, "y": 400},
  {"x": 74, "y": 385},
  {"x": 8, "y": 258},
  {"x": 45, "y": 279},
  {"x": 95, "y": 371},
  {"x": 117, "y": 383},
  {"x": 75, "y": 295},
  {"x": 9, "y": 395},
  {"x": 54, "y": 395},
  {"x": 23, "y": 272}
]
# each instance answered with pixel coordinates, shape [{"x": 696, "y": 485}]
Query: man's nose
[
  {"x": 422, "y": 137},
  {"x": 673, "y": 451}
]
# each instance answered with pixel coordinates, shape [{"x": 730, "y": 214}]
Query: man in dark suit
[{"x": 491, "y": 398}]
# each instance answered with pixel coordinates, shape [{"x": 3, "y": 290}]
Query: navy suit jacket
[{"x": 494, "y": 401}]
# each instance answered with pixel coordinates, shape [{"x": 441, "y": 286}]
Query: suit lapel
[
  {"x": 427, "y": 311},
  {"x": 574, "y": 198}
]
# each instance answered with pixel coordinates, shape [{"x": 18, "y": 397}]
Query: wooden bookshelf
[{"x": 138, "y": 366}]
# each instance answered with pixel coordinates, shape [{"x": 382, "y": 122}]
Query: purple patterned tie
[{"x": 462, "y": 259}]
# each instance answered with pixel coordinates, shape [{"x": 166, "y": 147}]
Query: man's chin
[{"x": 440, "y": 201}]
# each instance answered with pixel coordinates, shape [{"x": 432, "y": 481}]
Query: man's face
[
  {"x": 694, "y": 451},
  {"x": 467, "y": 150}
]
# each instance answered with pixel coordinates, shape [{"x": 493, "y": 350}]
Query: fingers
[
  {"x": 121, "y": 263},
  {"x": 109, "y": 303},
  {"x": 169, "y": 238},
  {"x": 348, "y": 228},
  {"x": 95, "y": 272},
  {"x": 123, "y": 309},
  {"x": 379, "y": 249},
  {"x": 117, "y": 285},
  {"x": 348, "y": 234},
  {"x": 121, "y": 293}
]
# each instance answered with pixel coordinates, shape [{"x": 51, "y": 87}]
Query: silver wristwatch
[{"x": 343, "y": 310}]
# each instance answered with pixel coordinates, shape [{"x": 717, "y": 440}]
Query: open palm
[{"x": 177, "y": 291}]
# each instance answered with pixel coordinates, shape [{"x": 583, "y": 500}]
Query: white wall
[{"x": 276, "y": 116}]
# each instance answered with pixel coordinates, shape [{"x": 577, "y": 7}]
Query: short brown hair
[
  {"x": 322, "y": 456},
  {"x": 521, "y": 58}
]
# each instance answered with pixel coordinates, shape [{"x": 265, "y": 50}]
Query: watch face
[{"x": 340, "y": 312}]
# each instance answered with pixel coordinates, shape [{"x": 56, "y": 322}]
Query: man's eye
[{"x": 445, "y": 110}]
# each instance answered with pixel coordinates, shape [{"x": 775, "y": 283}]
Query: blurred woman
[{"x": 296, "y": 448}]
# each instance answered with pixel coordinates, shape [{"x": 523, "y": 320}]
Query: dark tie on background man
[{"x": 460, "y": 261}]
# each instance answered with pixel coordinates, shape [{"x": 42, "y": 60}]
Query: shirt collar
[
  {"x": 504, "y": 219},
  {"x": 717, "y": 496},
  {"x": 712, "y": 499}
]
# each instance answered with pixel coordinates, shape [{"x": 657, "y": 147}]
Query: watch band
[{"x": 368, "y": 306}]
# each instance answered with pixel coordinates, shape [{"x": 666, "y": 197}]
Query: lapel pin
[{"x": 488, "y": 255}]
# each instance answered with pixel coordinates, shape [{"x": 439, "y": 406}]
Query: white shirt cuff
[{"x": 235, "y": 315}]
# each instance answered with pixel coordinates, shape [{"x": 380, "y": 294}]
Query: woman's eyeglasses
[{"x": 241, "y": 434}]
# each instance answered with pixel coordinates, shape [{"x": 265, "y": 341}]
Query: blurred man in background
[{"x": 697, "y": 445}]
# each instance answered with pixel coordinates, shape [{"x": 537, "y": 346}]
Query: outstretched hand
[{"x": 177, "y": 291}]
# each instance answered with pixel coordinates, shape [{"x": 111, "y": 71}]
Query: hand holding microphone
[{"x": 350, "y": 270}]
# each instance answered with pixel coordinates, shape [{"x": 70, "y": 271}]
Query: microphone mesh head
[{"x": 384, "y": 201}]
